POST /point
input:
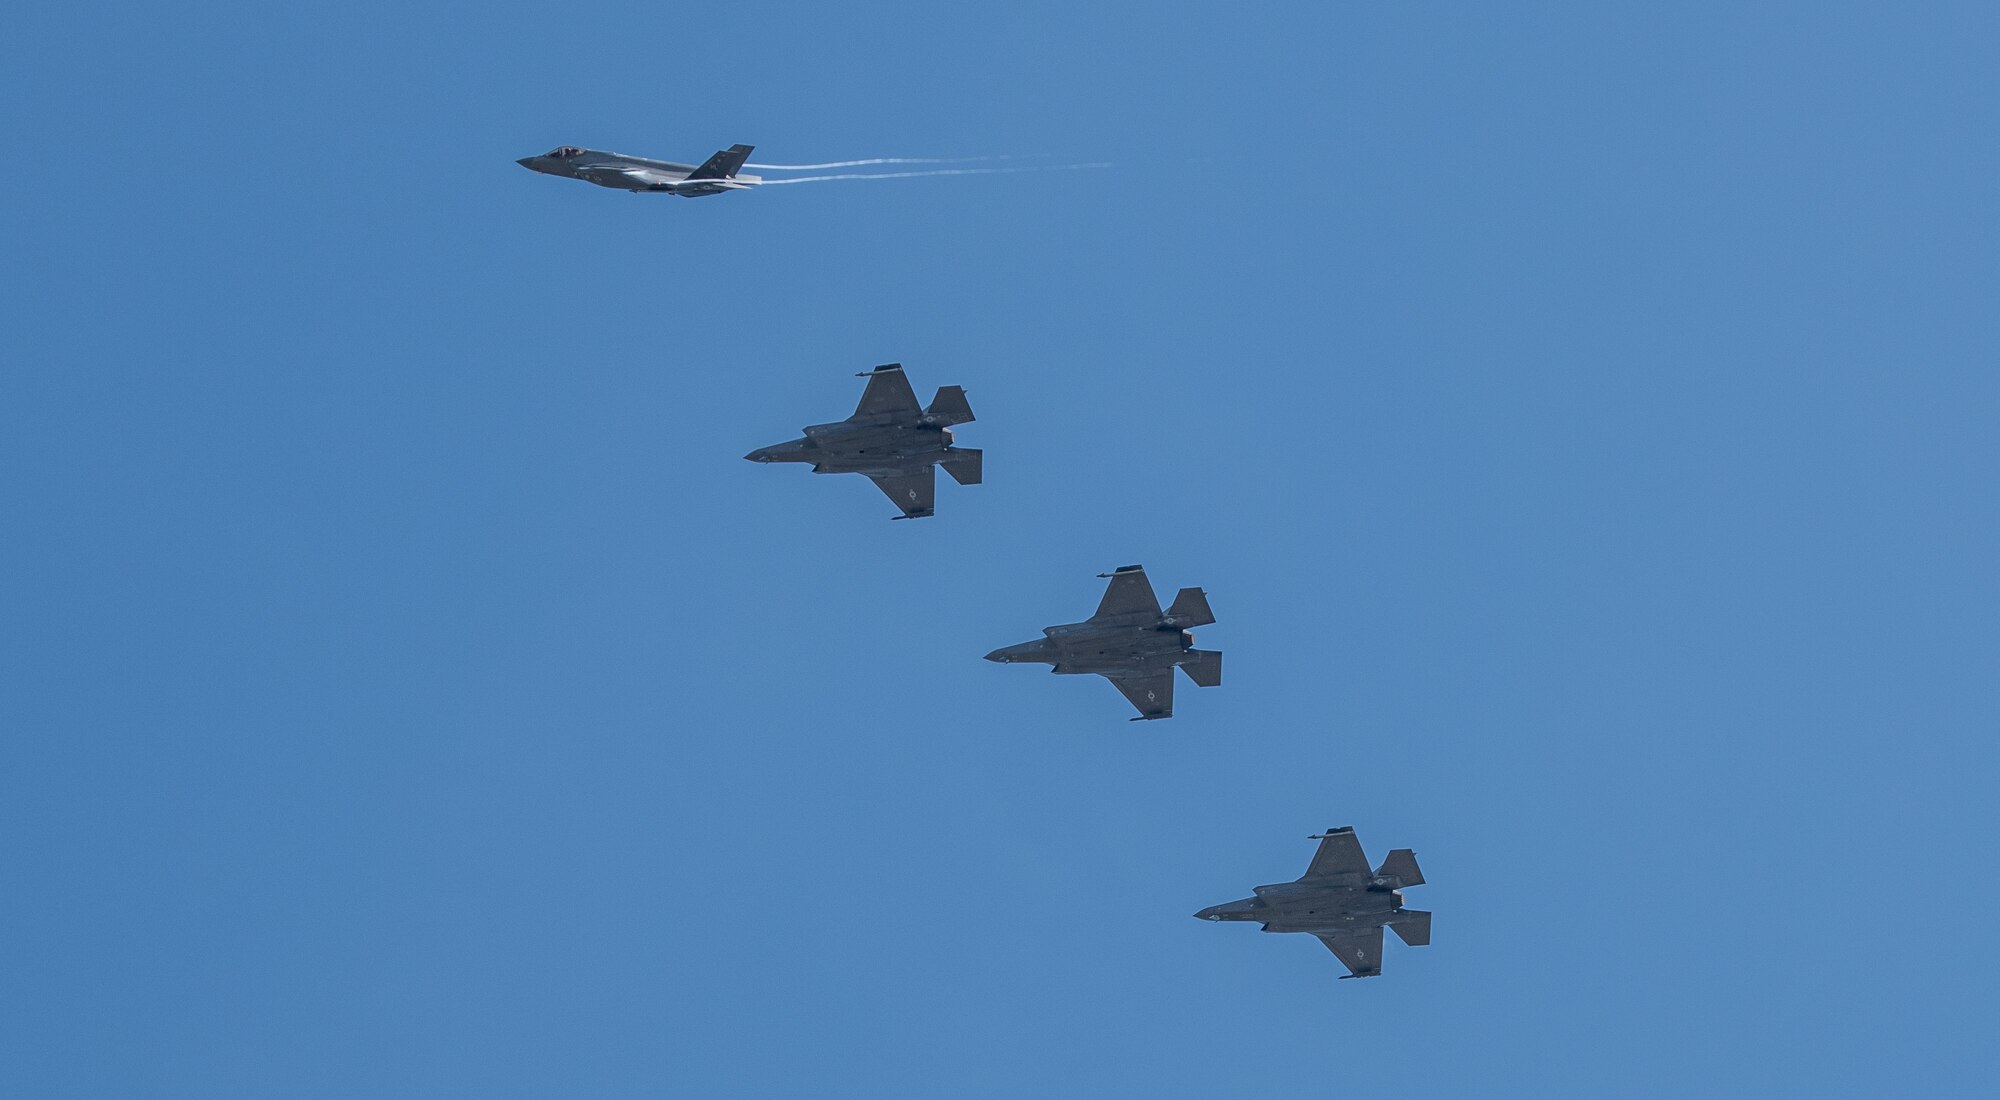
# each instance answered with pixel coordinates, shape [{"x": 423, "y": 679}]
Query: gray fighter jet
[
  {"x": 1131, "y": 643},
  {"x": 1339, "y": 900},
  {"x": 898, "y": 445},
  {"x": 719, "y": 173}
]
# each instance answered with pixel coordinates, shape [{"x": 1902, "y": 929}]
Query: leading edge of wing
[
  {"x": 1129, "y": 593},
  {"x": 888, "y": 393},
  {"x": 1339, "y": 854}
]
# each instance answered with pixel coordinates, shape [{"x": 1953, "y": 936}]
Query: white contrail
[
  {"x": 933, "y": 172},
  {"x": 885, "y": 160},
  {"x": 850, "y": 163}
]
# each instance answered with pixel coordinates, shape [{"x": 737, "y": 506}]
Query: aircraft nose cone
[
  {"x": 758, "y": 455},
  {"x": 527, "y": 162},
  {"x": 998, "y": 656},
  {"x": 1209, "y": 914}
]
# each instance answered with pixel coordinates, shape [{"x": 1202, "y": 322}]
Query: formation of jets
[{"x": 898, "y": 444}]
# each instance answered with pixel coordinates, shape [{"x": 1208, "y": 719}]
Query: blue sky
[{"x": 1580, "y": 416}]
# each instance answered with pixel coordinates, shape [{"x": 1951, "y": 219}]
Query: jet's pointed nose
[
  {"x": 1247, "y": 909},
  {"x": 798, "y": 450},
  {"x": 1029, "y": 652}
]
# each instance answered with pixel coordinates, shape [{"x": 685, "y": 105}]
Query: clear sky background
[{"x": 1581, "y": 416}]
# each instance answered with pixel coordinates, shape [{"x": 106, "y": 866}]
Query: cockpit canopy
[{"x": 563, "y": 153}]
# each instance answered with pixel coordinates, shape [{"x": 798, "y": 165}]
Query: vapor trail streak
[
  {"x": 886, "y": 160},
  {"x": 849, "y": 163},
  {"x": 933, "y": 172}
]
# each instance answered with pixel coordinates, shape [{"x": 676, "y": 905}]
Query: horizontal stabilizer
[
  {"x": 949, "y": 407},
  {"x": 1204, "y": 667},
  {"x": 722, "y": 165},
  {"x": 1402, "y": 864},
  {"x": 1190, "y": 609},
  {"x": 1414, "y": 926},
  {"x": 966, "y": 465}
]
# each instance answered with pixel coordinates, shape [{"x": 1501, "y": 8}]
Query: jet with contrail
[
  {"x": 724, "y": 171},
  {"x": 719, "y": 173}
]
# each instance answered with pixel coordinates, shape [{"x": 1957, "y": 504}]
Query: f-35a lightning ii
[
  {"x": 719, "y": 173},
  {"x": 898, "y": 445},
  {"x": 1339, "y": 900},
  {"x": 1130, "y": 642}
]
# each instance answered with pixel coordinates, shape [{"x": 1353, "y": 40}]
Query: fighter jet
[
  {"x": 1130, "y": 643},
  {"x": 1341, "y": 902},
  {"x": 719, "y": 173},
  {"x": 898, "y": 445}
]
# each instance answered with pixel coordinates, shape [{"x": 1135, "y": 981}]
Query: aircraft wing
[
  {"x": 648, "y": 177},
  {"x": 1339, "y": 854},
  {"x": 1130, "y": 593},
  {"x": 1153, "y": 695},
  {"x": 1360, "y": 950},
  {"x": 888, "y": 393},
  {"x": 915, "y": 494}
]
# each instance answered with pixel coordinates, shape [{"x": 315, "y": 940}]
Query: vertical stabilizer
[
  {"x": 1190, "y": 609},
  {"x": 949, "y": 407},
  {"x": 1401, "y": 865},
  {"x": 722, "y": 165}
]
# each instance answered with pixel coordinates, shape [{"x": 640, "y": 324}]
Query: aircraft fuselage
[
  {"x": 1101, "y": 649},
  {"x": 1311, "y": 906},
  {"x": 623, "y": 172},
  {"x": 849, "y": 448}
]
